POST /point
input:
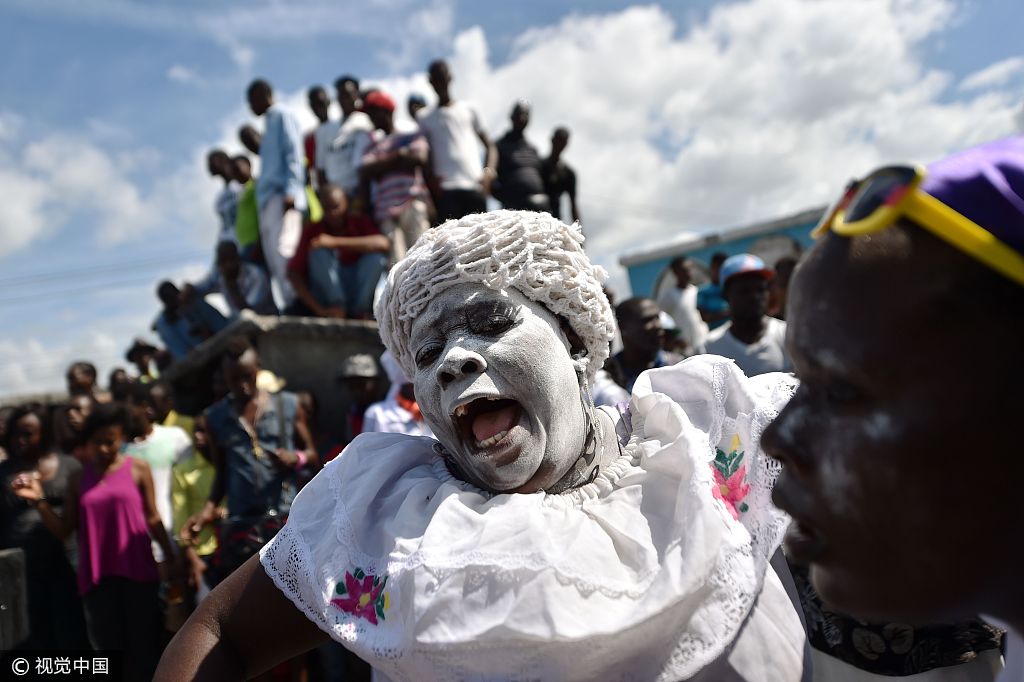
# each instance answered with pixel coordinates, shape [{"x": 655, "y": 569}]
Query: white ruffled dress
[{"x": 657, "y": 570}]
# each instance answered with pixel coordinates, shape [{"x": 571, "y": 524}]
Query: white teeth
[
  {"x": 492, "y": 440},
  {"x": 460, "y": 411}
]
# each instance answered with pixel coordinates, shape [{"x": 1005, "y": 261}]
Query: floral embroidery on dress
[
  {"x": 362, "y": 595},
  {"x": 730, "y": 476}
]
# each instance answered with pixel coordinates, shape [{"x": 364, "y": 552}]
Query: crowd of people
[
  {"x": 641, "y": 559},
  {"x": 333, "y": 208}
]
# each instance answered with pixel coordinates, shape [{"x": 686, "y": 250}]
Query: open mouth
[{"x": 484, "y": 422}]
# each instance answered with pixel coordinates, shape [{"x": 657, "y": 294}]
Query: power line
[
  {"x": 133, "y": 264},
  {"x": 77, "y": 291}
]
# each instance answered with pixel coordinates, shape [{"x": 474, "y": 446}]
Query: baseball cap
[
  {"x": 743, "y": 264},
  {"x": 379, "y": 99},
  {"x": 359, "y": 365}
]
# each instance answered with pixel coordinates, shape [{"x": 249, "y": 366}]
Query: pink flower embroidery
[
  {"x": 363, "y": 596},
  {"x": 731, "y": 490}
]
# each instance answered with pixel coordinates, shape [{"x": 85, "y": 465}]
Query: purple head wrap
[{"x": 985, "y": 184}]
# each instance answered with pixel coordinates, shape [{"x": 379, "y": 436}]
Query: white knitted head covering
[{"x": 537, "y": 255}]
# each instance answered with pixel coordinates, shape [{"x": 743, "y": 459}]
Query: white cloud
[
  {"x": 993, "y": 76},
  {"x": 184, "y": 75},
  {"x": 762, "y": 108}
]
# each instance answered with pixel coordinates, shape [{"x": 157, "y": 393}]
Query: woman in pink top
[{"x": 112, "y": 506}]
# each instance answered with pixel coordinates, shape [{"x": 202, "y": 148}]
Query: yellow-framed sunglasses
[{"x": 890, "y": 193}]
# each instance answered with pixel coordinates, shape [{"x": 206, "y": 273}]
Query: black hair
[
  {"x": 340, "y": 81},
  {"x": 39, "y": 412},
  {"x": 316, "y": 90},
  {"x": 718, "y": 257},
  {"x": 83, "y": 366},
  {"x": 165, "y": 285},
  {"x": 241, "y": 158},
  {"x": 560, "y": 130},
  {"x": 678, "y": 260},
  {"x": 258, "y": 85},
  {"x": 630, "y": 308},
  {"x": 104, "y": 415},
  {"x": 217, "y": 151},
  {"x": 437, "y": 64}
]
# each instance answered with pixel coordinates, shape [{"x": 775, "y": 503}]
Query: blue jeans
[{"x": 351, "y": 287}]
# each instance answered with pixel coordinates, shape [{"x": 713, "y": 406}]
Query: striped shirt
[{"x": 392, "y": 192}]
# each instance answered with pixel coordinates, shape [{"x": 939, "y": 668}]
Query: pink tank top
[{"x": 113, "y": 538}]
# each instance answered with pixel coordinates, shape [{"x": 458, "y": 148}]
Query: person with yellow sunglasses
[{"x": 900, "y": 451}]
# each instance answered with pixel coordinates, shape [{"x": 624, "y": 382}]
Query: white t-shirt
[
  {"x": 340, "y": 146},
  {"x": 454, "y": 136},
  {"x": 162, "y": 449},
  {"x": 681, "y": 305},
  {"x": 766, "y": 355}
]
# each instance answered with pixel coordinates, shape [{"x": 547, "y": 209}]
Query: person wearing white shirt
[
  {"x": 460, "y": 175},
  {"x": 340, "y": 145},
  {"x": 755, "y": 341},
  {"x": 680, "y": 302}
]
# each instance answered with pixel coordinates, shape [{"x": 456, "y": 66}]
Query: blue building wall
[{"x": 643, "y": 277}]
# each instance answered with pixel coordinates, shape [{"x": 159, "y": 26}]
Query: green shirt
[{"x": 247, "y": 221}]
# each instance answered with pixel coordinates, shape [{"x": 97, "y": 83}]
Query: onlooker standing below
[
  {"x": 639, "y": 322},
  {"x": 398, "y": 412},
  {"x": 190, "y": 488},
  {"x": 54, "y": 607},
  {"x": 393, "y": 167},
  {"x": 340, "y": 145},
  {"x": 68, "y": 423},
  {"x": 519, "y": 185},
  {"x": 114, "y": 511},
  {"x": 712, "y": 305},
  {"x": 680, "y": 302},
  {"x": 119, "y": 384},
  {"x": 244, "y": 285},
  {"x": 338, "y": 261},
  {"x": 252, "y": 439},
  {"x": 559, "y": 177},
  {"x": 360, "y": 375},
  {"x": 160, "y": 447},
  {"x": 226, "y": 204},
  {"x": 280, "y": 189},
  {"x": 755, "y": 341},
  {"x": 81, "y": 380},
  {"x": 162, "y": 398},
  {"x": 459, "y": 181}
]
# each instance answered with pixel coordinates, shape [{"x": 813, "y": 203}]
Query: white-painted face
[{"x": 496, "y": 383}]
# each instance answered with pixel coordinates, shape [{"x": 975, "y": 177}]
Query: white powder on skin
[{"x": 529, "y": 363}]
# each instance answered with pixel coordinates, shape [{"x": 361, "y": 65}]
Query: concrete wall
[
  {"x": 306, "y": 352},
  {"x": 13, "y": 599}
]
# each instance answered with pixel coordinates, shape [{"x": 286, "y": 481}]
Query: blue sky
[{"x": 685, "y": 116}]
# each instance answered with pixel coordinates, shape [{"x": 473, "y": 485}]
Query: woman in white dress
[{"x": 539, "y": 537}]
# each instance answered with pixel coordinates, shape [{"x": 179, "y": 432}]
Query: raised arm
[
  {"x": 228, "y": 638},
  {"x": 28, "y": 487}
]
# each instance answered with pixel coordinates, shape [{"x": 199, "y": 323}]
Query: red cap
[{"x": 379, "y": 99}]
